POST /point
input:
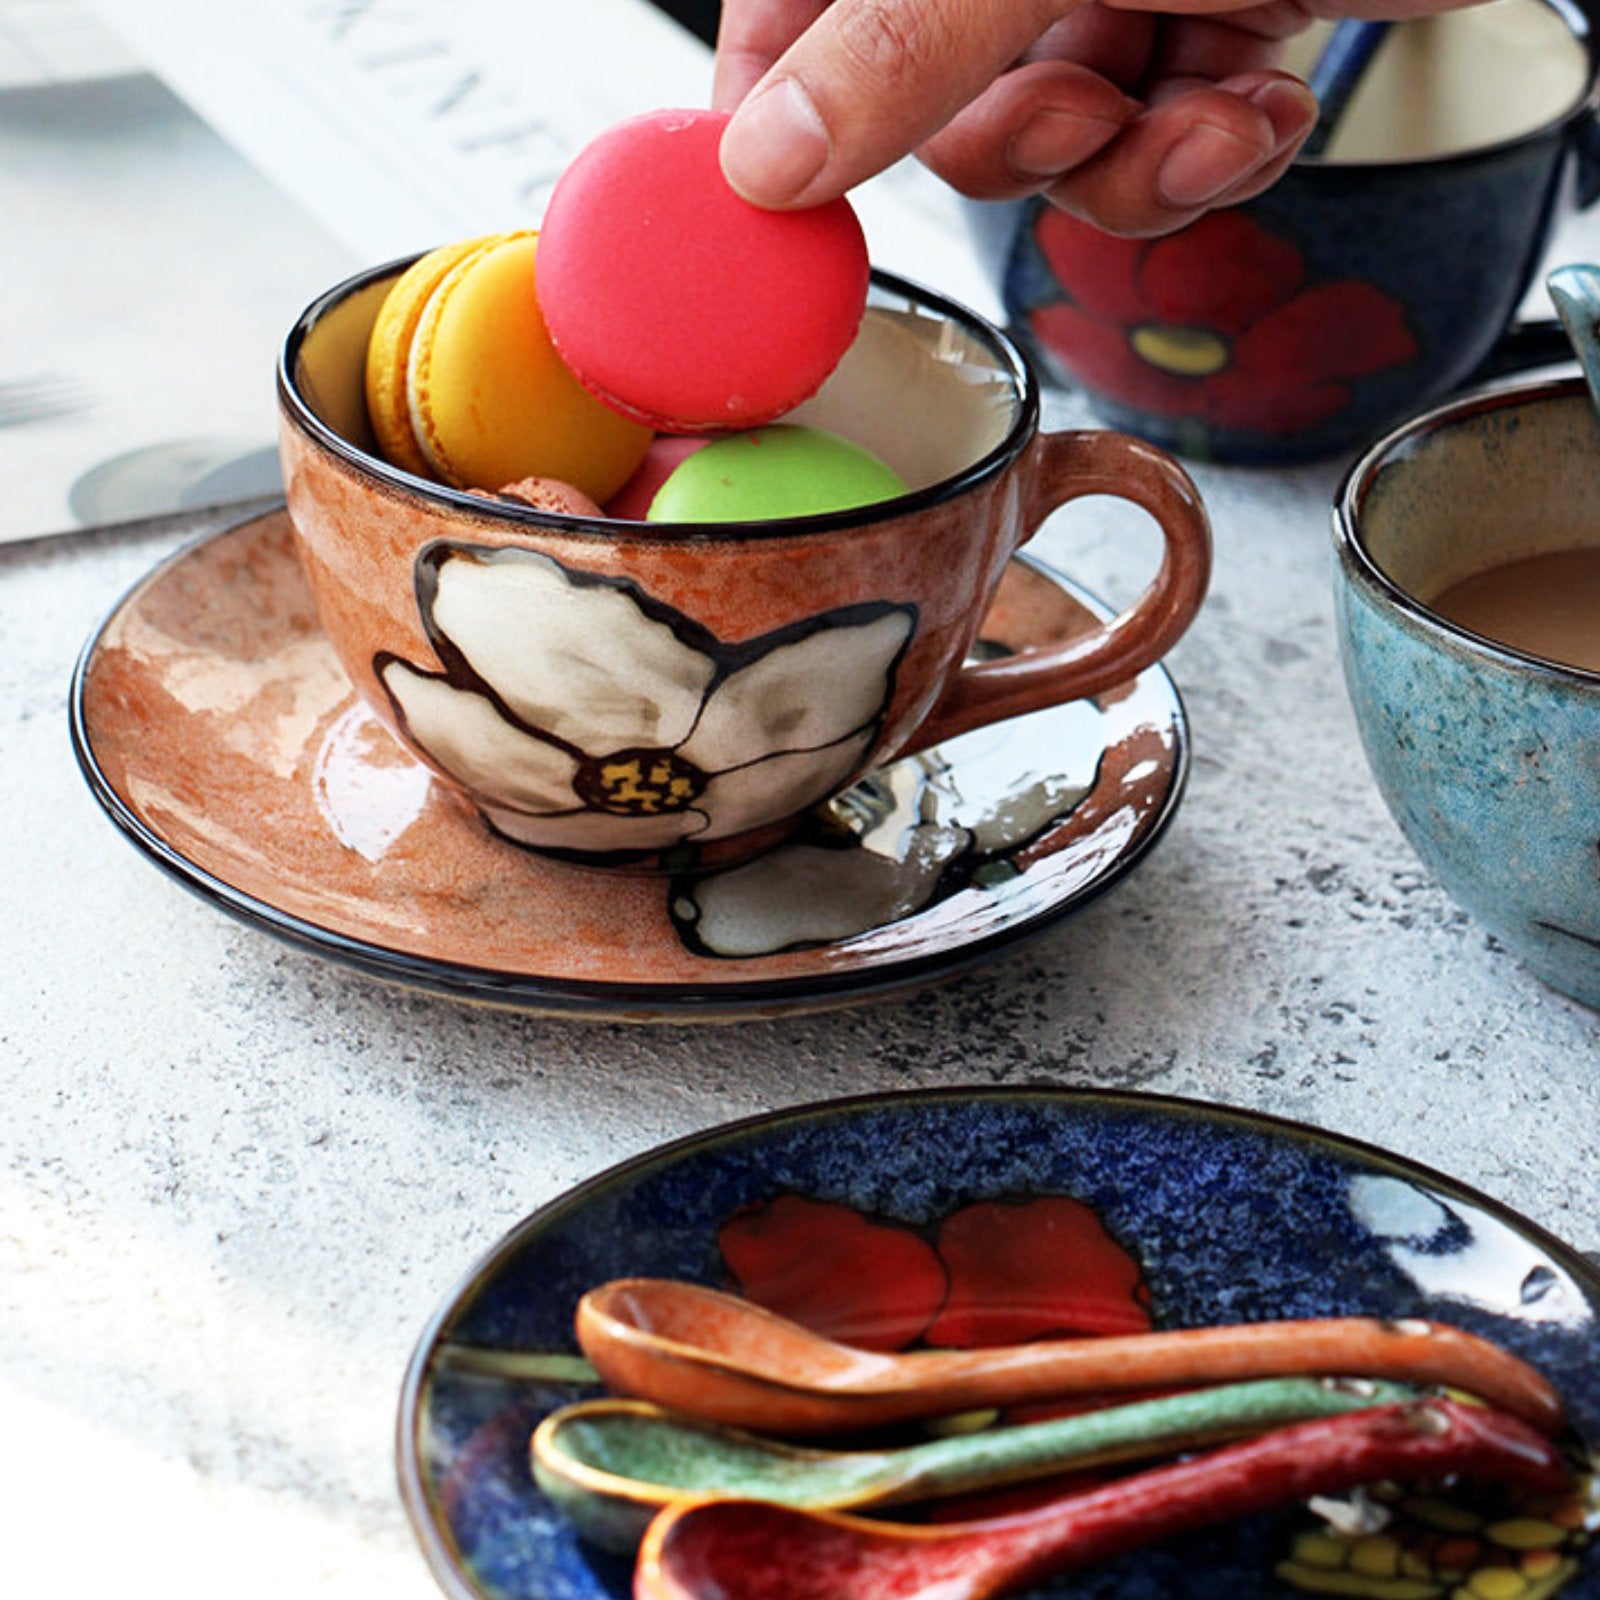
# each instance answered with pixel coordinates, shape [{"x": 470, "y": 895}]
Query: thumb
[{"x": 865, "y": 85}]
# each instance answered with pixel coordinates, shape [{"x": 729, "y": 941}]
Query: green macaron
[{"x": 768, "y": 473}]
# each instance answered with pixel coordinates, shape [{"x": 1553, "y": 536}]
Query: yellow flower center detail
[
  {"x": 640, "y": 783},
  {"x": 1188, "y": 352}
]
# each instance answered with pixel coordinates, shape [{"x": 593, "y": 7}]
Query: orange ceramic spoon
[
  {"x": 715, "y": 1356},
  {"x": 707, "y": 1549}
]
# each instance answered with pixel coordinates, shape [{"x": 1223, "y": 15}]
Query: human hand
[{"x": 1136, "y": 120}]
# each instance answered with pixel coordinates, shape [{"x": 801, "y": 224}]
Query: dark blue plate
[{"x": 1225, "y": 1216}]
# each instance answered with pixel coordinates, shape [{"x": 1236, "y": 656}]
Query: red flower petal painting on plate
[
  {"x": 870, "y": 1283},
  {"x": 996, "y": 1272},
  {"x": 1035, "y": 1269}
]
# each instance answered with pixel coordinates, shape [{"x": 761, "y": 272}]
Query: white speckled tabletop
[{"x": 235, "y": 1180}]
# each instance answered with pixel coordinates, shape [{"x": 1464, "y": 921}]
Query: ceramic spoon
[
  {"x": 610, "y": 1465},
  {"x": 1575, "y": 291},
  {"x": 713, "y": 1548},
  {"x": 715, "y": 1356}
]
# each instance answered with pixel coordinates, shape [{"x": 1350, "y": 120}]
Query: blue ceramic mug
[
  {"x": 1369, "y": 281},
  {"x": 1487, "y": 752}
]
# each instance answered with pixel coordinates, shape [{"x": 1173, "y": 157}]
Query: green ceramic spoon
[{"x": 610, "y": 1465}]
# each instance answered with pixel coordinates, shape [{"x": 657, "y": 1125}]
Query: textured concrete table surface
[{"x": 235, "y": 1181}]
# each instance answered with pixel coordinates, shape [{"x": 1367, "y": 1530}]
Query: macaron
[
  {"x": 389, "y": 349},
  {"x": 631, "y": 503},
  {"x": 767, "y": 473},
  {"x": 545, "y": 494},
  {"x": 679, "y": 302},
  {"x": 464, "y": 384}
]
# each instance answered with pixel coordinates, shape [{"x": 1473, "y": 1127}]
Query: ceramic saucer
[
  {"x": 936, "y": 1217},
  {"x": 218, "y": 731}
]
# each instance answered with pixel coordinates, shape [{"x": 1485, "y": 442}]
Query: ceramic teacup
[
  {"x": 652, "y": 695},
  {"x": 1487, "y": 753},
  {"x": 1369, "y": 281}
]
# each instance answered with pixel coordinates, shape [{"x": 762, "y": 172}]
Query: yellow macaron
[
  {"x": 464, "y": 385},
  {"x": 389, "y": 350}
]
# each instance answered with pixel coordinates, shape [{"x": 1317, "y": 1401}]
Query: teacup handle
[{"x": 1066, "y": 467}]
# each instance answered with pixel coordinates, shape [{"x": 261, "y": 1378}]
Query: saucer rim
[{"x": 532, "y": 994}]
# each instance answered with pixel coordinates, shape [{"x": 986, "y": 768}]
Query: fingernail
[
  {"x": 1051, "y": 141},
  {"x": 1205, "y": 163},
  {"x": 1290, "y": 107},
  {"x": 775, "y": 144}
]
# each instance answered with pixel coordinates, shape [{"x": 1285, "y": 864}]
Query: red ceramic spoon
[{"x": 712, "y": 1549}]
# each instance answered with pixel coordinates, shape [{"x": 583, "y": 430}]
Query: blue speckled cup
[
  {"x": 1488, "y": 758},
  {"x": 1366, "y": 283}
]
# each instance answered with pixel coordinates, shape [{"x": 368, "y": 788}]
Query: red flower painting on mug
[{"x": 1220, "y": 321}]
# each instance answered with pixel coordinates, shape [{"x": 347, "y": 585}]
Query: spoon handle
[
  {"x": 1407, "y": 1351},
  {"x": 693, "y": 1551},
  {"x": 1427, "y": 1440},
  {"x": 1122, "y": 1433},
  {"x": 1575, "y": 293}
]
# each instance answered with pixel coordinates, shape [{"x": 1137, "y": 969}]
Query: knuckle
[{"x": 888, "y": 37}]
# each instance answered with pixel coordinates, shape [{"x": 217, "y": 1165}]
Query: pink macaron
[
  {"x": 678, "y": 302},
  {"x": 667, "y": 451}
]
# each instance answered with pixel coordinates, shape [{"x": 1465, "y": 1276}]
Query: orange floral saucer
[{"x": 218, "y": 731}]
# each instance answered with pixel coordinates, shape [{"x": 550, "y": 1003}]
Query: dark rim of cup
[
  {"x": 1011, "y": 363},
  {"x": 1581, "y": 24},
  {"x": 1391, "y": 449}
]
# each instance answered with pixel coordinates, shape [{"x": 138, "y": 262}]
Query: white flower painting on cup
[{"x": 585, "y": 716}]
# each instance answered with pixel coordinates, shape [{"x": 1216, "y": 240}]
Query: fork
[{"x": 37, "y": 398}]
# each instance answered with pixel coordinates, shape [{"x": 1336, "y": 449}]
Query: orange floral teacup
[{"x": 662, "y": 695}]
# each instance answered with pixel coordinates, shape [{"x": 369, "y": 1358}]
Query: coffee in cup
[{"x": 1545, "y": 605}]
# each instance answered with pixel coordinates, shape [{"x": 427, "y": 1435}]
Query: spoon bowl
[{"x": 715, "y": 1356}]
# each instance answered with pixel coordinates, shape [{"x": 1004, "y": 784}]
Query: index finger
[{"x": 863, "y": 85}]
